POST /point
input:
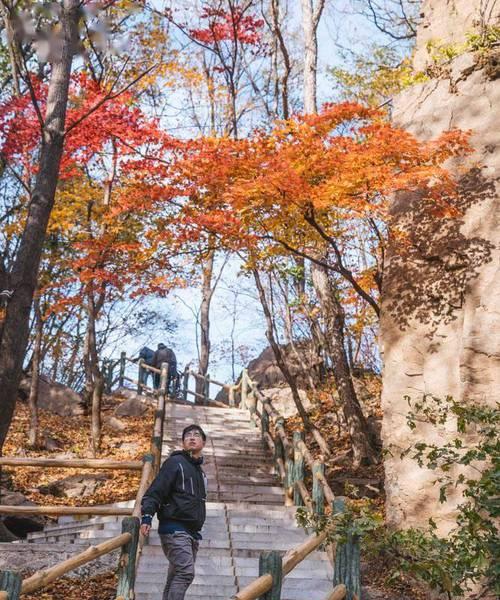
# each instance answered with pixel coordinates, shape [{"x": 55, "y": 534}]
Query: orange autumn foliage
[{"x": 317, "y": 177}]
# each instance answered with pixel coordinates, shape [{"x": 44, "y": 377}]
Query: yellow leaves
[
  {"x": 98, "y": 587},
  {"x": 72, "y": 205}
]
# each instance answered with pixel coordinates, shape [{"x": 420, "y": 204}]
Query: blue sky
[{"x": 339, "y": 29}]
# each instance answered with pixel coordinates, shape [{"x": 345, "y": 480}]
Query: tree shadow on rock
[{"x": 431, "y": 266}]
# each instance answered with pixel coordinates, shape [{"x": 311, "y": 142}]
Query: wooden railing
[
  {"x": 12, "y": 586},
  {"x": 292, "y": 458}
]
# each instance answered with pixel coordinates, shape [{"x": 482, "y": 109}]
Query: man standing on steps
[{"x": 178, "y": 495}]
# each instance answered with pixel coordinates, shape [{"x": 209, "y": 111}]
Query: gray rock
[
  {"x": 75, "y": 485},
  {"x": 130, "y": 447},
  {"x": 16, "y": 526},
  {"x": 462, "y": 66},
  {"x": 265, "y": 372},
  {"x": 133, "y": 407},
  {"x": 49, "y": 442},
  {"x": 54, "y": 397},
  {"x": 114, "y": 423},
  {"x": 283, "y": 402},
  {"x": 440, "y": 325},
  {"x": 124, "y": 392}
]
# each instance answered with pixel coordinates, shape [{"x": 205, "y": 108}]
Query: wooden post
[
  {"x": 252, "y": 405},
  {"x": 289, "y": 491},
  {"x": 164, "y": 379},
  {"x": 244, "y": 388},
  {"x": 206, "y": 391},
  {"x": 298, "y": 466},
  {"x": 346, "y": 568},
  {"x": 231, "y": 396},
  {"x": 10, "y": 582},
  {"x": 126, "y": 566},
  {"x": 147, "y": 471},
  {"x": 105, "y": 367},
  {"x": 264, "y": 423},
  {"x": 272, "y": 563},
  {"x": 185, "y": 383},
  {"x": 109, "y": 376},
  {"x": 279, "y": 453},
  {"x": 123, "y": 356},
  {"x": 317, "y": 493},
  {"x": 140, "y": 376}
]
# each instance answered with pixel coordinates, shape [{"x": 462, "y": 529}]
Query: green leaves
[{"x": 469, "y": 463}]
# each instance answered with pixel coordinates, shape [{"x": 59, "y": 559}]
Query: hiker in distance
[
  {"x": 178, "y": 495},
  {"x": 147, "y": 356},
  {"x": 164, "y": 355}
]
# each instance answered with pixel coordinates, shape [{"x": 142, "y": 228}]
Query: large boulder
[
  {"x": 283, "y": 402},
  {"x": 54, "y": 397},
  {"x": 18, "y": 526},
  {"x": 123, "y": 392},
  {"x": 264, "y": 369},
  {"x": 114, "y": 423},
  {"x": 75, "y": 486},
  {"x": 132, "y": 407},
  {"x": 440, "y": 327}
]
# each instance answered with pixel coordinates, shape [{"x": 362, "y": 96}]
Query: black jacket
[
  {"x": 178, "y": 492},
  {"x": 165, "y": 355}
]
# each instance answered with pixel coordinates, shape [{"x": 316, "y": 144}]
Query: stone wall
[{"x": 440, "y": 330}]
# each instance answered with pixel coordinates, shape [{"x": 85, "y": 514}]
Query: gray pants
[{"x": 180, "y": 549}]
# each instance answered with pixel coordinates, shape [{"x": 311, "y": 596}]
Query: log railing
[
  {"x": 293, "y": 458},
  {"x": 12, "y": 586}
]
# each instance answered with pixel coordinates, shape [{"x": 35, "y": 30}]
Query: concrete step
[
  {"x": 195, "y": 589},
  {"x": 245, "y": 516},
  {"x": 201, "y": 578}
]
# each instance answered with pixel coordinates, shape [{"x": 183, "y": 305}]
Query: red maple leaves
[{"x": 228, "y": 25}]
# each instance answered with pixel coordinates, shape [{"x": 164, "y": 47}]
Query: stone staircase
[{"x": 245, "y": 516}]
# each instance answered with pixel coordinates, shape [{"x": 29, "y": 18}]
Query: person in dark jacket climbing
[
  {"x": 164, "y": 355},
  {"x": 147, "y": 356},
  {"x": 178, "y": 495}
]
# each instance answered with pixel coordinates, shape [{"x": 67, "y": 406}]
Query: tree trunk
[
  {"x": 35, "y": 378},
  {"x": 206, "y": 298},
  {"x": 87, "y": 368},
  {"x": 280, "y": 360},
  {"x": 333, "y": 315},
  {"x": 311, "y": 14},
  {"x": 97, "y": 383},
  {"x": 287, "y": 67},
  {"x": 289, "y": 334},
  {"x": 23, "y": 278},
  {"x": 96, "y": 413}
]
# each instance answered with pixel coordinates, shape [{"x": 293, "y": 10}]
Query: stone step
[
  {"x": 155, "y": 596},
  {"x": 245, "y": 515},
  {"x": 195, "y": 589},
  {"x": 207, "y": 579}
]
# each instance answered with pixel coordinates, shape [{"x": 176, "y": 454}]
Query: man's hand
[{"x": 145, "y": 529}]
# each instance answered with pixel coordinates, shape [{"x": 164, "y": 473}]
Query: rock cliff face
[{"x": 440, "y": 330}]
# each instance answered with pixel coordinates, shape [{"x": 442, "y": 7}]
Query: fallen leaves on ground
[
  {"x": 72, "y": 435},
  {"x": 98, "y": 587}
]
